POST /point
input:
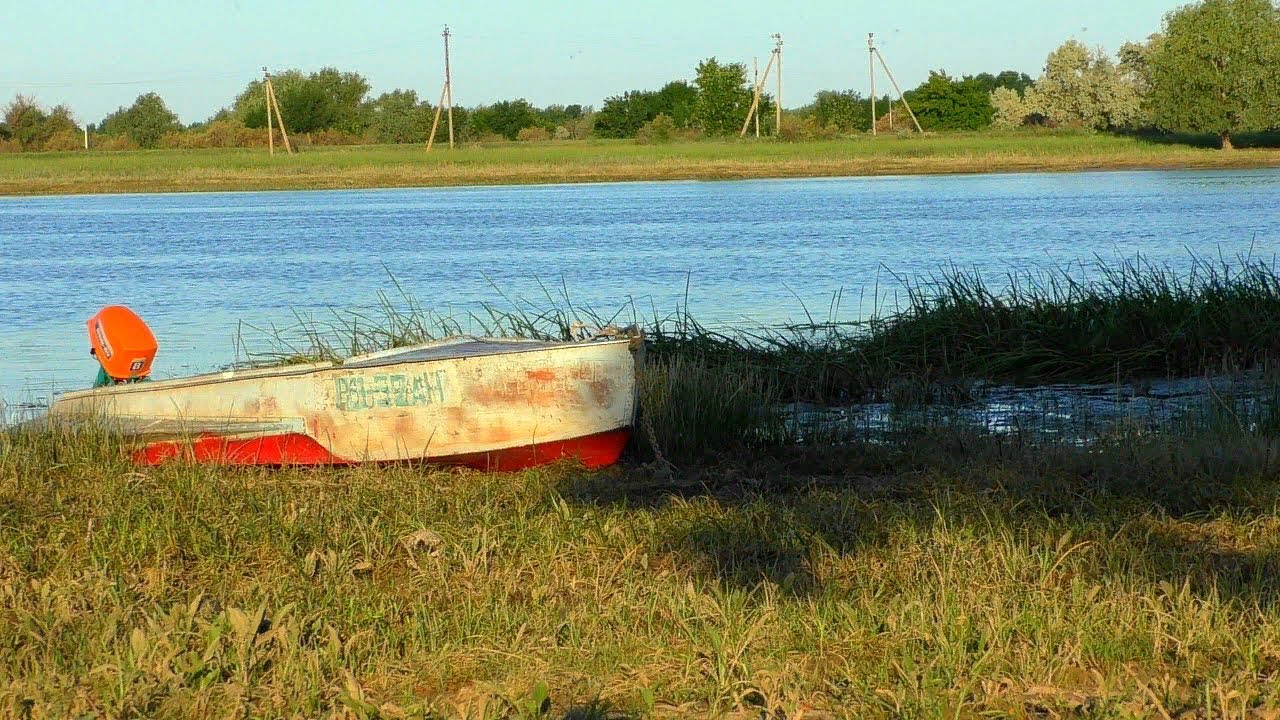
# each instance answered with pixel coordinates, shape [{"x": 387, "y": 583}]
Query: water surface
[{"x": 194, "y": 265}]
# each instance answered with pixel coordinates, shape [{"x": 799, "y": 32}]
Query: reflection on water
[
  {"x": 1067, "y": 412},
  {"x": 194, "y": 265}
]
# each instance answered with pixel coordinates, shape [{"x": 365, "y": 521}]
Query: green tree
[
  {"x": 943, "y": 103},
  {"x": 1217, "y": 69},
  {"x": 327, "y": 99},
  {"x": 622, "y": 115},
  {"x": 723, "y": 97},
  {"x": 845, "y": 110},
  {"x": 32, "y": 126},
  {"x": 1011, "y": 79},
  {"x": 399, "y": 117},
  {"x": 1084, "y": 88},
  {"x": 676, "y": 100},
  {"x": 344, "y": 93},
  {"x": 506, "y": 118},
  {"x": 144, "y": 122}
]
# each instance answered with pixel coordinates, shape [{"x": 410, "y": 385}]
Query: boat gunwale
[{"x": 292, "y": 371}]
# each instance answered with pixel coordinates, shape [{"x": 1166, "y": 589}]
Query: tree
[
  {"x": 144, "y": 122},
  {"x": 344, "y": 93},
  {"x": 676, "y": 100},
  {"x": 1010, "y": 110},
  {"x": 1011, "y": 79},
  {"x": 31, "y": 126},
  {"x": 622, "y": 115},
  {"x": 398, "y": 117},
  {"x": 327, "y": 99},
  {"x": 1084, "y": 88},
  {"x": 723, "y": 97},
  {"x": 506, "y": 118},
  {"x": 1217, "y": 68},
  {"x": 845, "y": 110},
  {"x": 943, "y": 103}
]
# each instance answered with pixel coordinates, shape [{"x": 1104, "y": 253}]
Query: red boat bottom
[{"x": 593, "y": 451}]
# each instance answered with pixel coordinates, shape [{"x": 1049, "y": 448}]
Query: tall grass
[
  {"x": 1134, "y": 320},
  {"x": 1131, "y": 321}
]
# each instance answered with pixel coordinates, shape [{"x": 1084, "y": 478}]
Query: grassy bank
[
  {"x": 947, "y": 577},
  {"x": 726, "y": 568},
  {"x": 596, "y": 161}
]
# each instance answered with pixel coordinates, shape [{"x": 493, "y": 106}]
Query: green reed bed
[
  {"x": 703, "y": 385},
  {"x": 1134, "y": 320}
]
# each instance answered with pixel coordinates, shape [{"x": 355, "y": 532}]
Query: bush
[
  {"x": 10, "y": 146},
  {"x": 64, "y": 140},
  {"x": 656, "y": 131},
  {"x": 111, "y": 143},
  {"x": 533, "y": 134},
  {"x": 232, "y": 133},
  {"x": 183, "y": 141},
  {"x": 804, "y": 130},
  {"x": 328, "y": 137}
]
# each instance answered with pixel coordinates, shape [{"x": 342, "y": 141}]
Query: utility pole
[
  {"x": 777, "y": 128},
  {"x": 270, "y": 93},
  {"x": 754, "y": 110},
  {"x": 755, "y": 82},
  {"x": 448, "y": 83},
  {"x": 446, "y": 96},
  {"x": 876, "y": 54},
  {"x": 871, "y": 70},
  {"x": 266, "y": 93}
]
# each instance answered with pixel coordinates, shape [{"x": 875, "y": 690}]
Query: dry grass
[
  {"x": 596, "y": 161},
  {"x": 949, "y": 576}
]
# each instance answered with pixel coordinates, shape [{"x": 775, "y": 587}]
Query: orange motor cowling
[{"x": 123, "y": 343}]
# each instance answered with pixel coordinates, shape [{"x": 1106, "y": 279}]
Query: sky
[{"x": 97, "y": 56}]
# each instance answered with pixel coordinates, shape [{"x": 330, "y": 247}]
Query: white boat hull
[{"x": 501, "y": 404}]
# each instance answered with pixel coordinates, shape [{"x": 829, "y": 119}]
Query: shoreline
[{"x": 570, "y": 163}]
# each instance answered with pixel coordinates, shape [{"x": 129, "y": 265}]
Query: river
[{"x": 758, "y": 252}]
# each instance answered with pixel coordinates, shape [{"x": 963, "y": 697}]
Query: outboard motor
[{"x": 122, "y": 344}]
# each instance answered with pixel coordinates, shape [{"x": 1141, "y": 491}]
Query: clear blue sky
[{"x": 96, "y": 56}]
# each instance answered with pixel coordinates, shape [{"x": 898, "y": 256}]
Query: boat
[{"x": 487, "y": 403}]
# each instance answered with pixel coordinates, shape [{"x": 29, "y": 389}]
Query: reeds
[{"x": 707, "y": 389}]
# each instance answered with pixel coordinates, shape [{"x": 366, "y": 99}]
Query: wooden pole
[
  {"x": 777, "y": 127},
  {"x": 448, "y": 84},
  {"x": 280, "y": 119},
  {"x": 755, "y": 68},
  {"x": 871, "y": 67},
  {"x": 755, "y": 100},
  {"x": 901, "y": 97},
  {"x": 431, "y": 139},
  {"x": 266, "y": 96}
]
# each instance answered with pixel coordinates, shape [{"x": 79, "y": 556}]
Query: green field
[{"x": 596, "y": 161}]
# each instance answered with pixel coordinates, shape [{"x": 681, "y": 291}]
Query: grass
[
  {"x": 952, "y": 576},
  {"x": 597, "y": 161},
  {"x": 936, "y": 574}
]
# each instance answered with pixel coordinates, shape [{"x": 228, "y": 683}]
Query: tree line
[{"x": 1214, "y": 68}]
